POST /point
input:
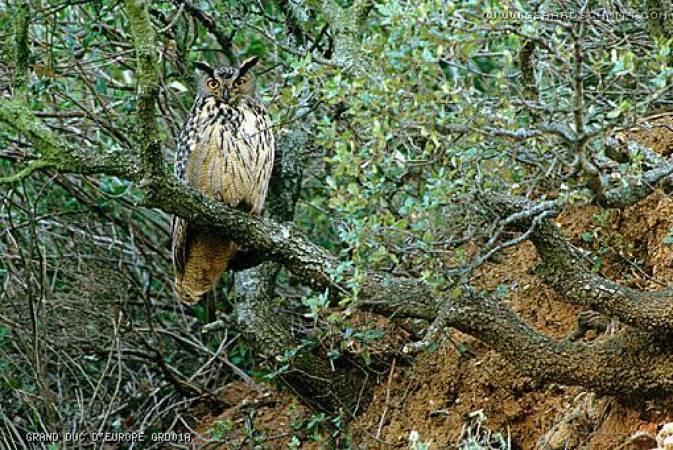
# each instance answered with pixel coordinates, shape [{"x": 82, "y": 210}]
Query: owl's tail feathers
[{"x": 204, "y": 257}]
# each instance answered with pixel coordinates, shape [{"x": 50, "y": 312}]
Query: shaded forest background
[{"x": 468, "y": 227}]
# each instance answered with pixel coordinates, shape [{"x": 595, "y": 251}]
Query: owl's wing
[
  {"x": 185, "y": 145},
  {"x": 270, "y": 156},
  {"x": 180, "y": 244},
  {"x": 264, "y": 160}
]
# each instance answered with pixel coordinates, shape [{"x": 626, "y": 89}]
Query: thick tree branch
[
  {"x": 306, "y": 371},
  {"x": 565, "y": 269},
  {"x": 282, "y": 243},
  {"x": 615, "y": 365},
  {"x": 346, "y": 24},
  {"x": 638, "y": 189},
  {"x": 17, "y": 116},
  {"x": 527, "y": 67}
]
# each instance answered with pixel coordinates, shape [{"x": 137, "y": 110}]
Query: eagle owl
[{"x": 226, "y": 151}]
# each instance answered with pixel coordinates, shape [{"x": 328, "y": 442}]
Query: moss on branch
[
  {"x": 53, "y": 152},
  {"x": 26, "y": 171},
  {"x": 144, "y": 42},
  {"x": 347, "y": 23}
]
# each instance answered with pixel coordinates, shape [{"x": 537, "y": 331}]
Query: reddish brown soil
[
  {"x": 656, "y": 133},
  {"x": 260, "y": 415},
  {"x": 436, "y": 396}
]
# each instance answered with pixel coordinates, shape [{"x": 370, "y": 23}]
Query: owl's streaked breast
[{"x": 229, "y": 154}]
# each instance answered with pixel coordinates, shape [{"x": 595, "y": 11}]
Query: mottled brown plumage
[{"x": 225, "y": 150}]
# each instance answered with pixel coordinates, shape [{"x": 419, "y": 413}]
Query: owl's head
[{"x": 227, "y": 83}]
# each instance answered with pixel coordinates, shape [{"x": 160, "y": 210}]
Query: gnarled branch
[{"x": 564, "y": 268}]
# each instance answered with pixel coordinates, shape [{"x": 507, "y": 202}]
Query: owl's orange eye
[
  {"x": 213, "y": 83},
  {"x": 239, "y": 82}
]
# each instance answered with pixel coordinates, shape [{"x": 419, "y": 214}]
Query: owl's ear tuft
[
  {"x": 247, "y": 65},
  {"x": 204, "y": 67}
]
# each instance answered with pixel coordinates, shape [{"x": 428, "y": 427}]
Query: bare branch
[
  {"x": 22, "y": 54},
  {"x": 213, "y": 28},
  {"x": 566, "y": 134}
]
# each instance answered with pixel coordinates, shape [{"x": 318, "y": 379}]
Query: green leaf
[
  {"x": 101, "y": 85},
  {"x": 587, "y": 236}
]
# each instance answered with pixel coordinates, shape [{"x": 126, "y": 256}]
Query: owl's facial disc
[{"x": 227, "y": 83}]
